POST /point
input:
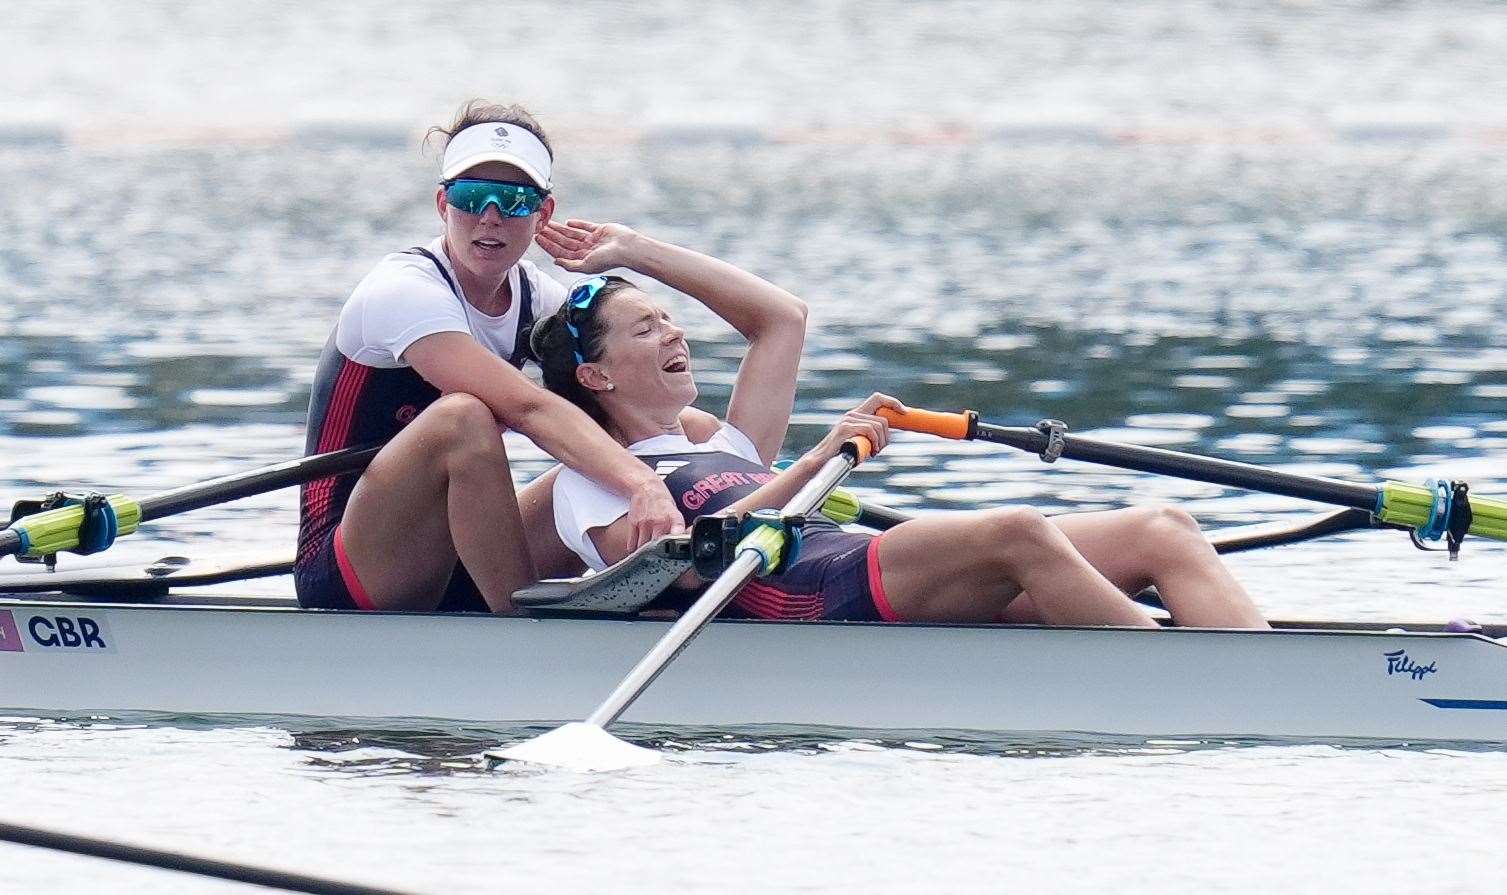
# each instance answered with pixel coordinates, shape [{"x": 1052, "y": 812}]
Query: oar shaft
[
  {"x": 1144, "y": 459},
  {"x": 1234, "y": 540},
  {"x": 881, "y": 518},
  {"x": 1238, "y": 540},
  {"x": 718, "y": 595},
  {"x": 255, "y": 481},
  {"x": 676, "y": 640},
  {"x": 1437, "y": 508},
  {"x": 1187, "y": 466},
  {"x": 151, "y": 857}
]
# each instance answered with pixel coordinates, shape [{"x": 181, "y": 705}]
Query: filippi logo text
[{"x": 1398, "y": 662}]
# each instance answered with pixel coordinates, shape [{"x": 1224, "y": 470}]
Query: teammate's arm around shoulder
[{"x": 454, "y": 362}]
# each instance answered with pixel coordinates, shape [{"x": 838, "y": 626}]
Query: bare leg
[
  {"x": 1021, "y": 611},
  {"x": 970, "y": 566},
  {"x": 1163, "y": 545},
  {"x": 440, "y": 489},
  {"x": 552, "y": 559}
]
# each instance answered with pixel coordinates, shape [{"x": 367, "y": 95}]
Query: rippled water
[
  {"x": 418, "y": 810},
  {"x": 1273, "y": 232}
]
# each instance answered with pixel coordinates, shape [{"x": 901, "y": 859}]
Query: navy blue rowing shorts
[
  {"x": 836, "y": 577},
  {"x": 326, "y": 580}
]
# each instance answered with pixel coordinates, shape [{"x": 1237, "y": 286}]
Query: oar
[
  {"x": 1431, "y": 510},
  {"x": 1233, "y": 540},
  {"x": 50, "y": 531},
  {"x": 586, "y": 745},
  {"x": 1255, "y": 537},
  {"x": 168, "y": 860}
]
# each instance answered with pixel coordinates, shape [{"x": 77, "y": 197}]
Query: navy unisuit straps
[{"x": 522, "y": 353}]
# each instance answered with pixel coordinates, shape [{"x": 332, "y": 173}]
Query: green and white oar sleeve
[
  {"x": 50, "y": 531},
  {"x": 1425, "y": 507}
]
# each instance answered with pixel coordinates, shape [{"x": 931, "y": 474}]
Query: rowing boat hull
[{"x": 1304, "y": 684}]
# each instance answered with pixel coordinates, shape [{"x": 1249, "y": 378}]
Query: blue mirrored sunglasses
[
  {"x": 513, "y": 200},
  {"x": 580, "y": 299}
]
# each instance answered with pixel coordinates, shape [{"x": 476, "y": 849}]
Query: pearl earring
[{"x": 611, "y": 386}]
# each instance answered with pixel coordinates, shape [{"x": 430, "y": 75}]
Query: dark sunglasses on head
[
  {"x": 579, "y": 300},
  {"x": 513, "y": 200}
]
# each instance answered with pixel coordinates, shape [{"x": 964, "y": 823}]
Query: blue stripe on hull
[{"x": 1499, "y": 705}]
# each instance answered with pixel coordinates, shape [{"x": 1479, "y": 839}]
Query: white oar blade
[{"x": 578, "y": 746}]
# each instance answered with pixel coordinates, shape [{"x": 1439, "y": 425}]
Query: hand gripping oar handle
[
  {"x": 1392, "y": 502},
  {"x": 759, "y": 550}
]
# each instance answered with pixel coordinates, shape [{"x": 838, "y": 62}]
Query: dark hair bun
[{"x": 555, "y": 348}]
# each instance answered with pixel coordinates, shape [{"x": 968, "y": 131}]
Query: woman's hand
[
  {"x": 583, "y": 247},
  {"x": 652, "y": 513},
  {"x": 862, "y": 420}
]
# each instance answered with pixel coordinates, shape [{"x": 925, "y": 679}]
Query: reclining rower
[{"x": 611, "y": 350}]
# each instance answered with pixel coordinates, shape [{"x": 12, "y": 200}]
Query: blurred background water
[{"x": 1275, "y": 232}]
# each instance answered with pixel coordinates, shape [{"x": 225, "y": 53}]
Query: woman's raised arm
[{"x": 771, "y": 319}]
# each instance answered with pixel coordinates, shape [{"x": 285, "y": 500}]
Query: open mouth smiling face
[{"x": 645, "y": 354}]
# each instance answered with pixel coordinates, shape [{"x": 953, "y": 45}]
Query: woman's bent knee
[
  {"x": 1014, "y": 538},
  {"x": 461, "y": 430},
  {"x": 1017, "y": 524},
  {"x": 1169, "y": 523},
  {"x": 457, "y": 416},
  {"x": 1167, "y": 535}
]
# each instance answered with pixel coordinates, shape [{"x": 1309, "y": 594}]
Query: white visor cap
[{"x": 493, "y": 141}]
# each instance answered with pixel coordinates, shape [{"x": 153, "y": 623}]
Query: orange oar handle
[
  {"x": 947, "y": 425},
  {"x": 860, "y": 448}
]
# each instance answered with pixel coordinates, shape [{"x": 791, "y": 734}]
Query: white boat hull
[{"x": 1305, "y": 684}]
